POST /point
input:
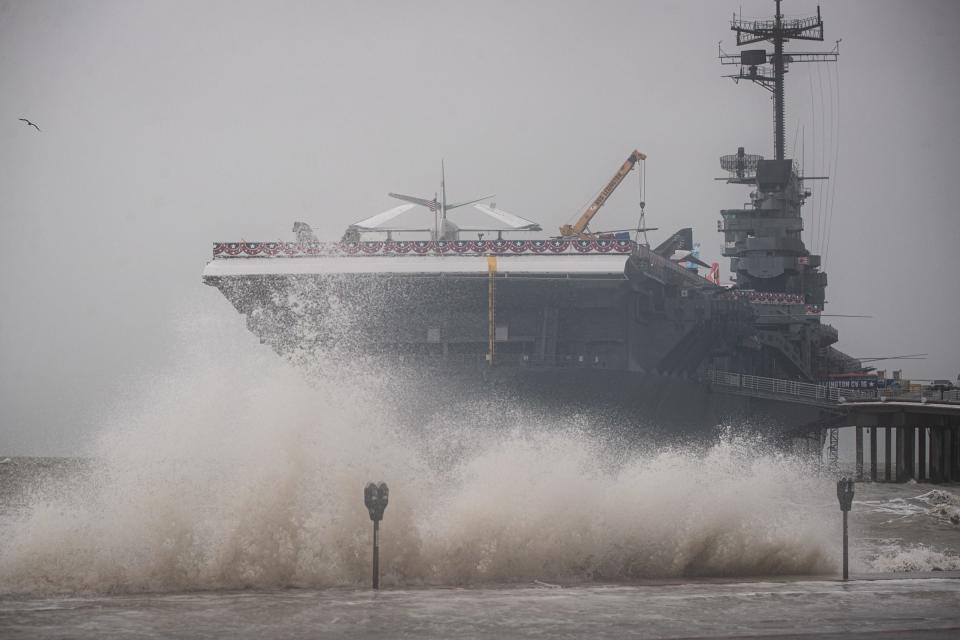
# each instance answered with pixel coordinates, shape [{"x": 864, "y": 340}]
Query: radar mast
[
  {"x": 764, "y": 239},
  {"x": 768, "y": 70}
]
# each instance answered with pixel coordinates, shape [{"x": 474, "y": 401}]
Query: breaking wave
[
  {"x": 942, "y": 505},
  {"x": 233, "y": 472},
  {"x": 918, "y": 557}
]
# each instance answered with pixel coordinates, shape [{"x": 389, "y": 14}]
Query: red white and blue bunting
[
  {"x": 771, "y": 297},
  {"x": 403, "y": 248}
]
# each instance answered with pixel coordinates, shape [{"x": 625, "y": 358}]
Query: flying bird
[{"x": 30, "y": 124}]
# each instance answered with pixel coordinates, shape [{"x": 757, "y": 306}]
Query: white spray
[{"x": 234, "y": 472}]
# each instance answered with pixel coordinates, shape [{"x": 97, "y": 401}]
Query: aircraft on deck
[{"x": 443, "y": 228}]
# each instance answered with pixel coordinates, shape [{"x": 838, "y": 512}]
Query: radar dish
[{"x": 741, "y": 164}]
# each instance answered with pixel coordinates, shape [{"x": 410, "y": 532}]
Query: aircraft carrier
[{"x": 585, "y": 321}]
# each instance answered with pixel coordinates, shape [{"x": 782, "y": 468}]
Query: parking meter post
[
  {"x": 845, "y": 497},
  {"x": 376, "y": 554},
  {"x": 375, "y": 498}
]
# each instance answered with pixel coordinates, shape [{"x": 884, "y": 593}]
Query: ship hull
[{"x": 617, "y": 341}]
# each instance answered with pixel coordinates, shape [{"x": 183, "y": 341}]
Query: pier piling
[
  {"x": 952, "y": 455},
  {"x": 936, "y": 455},
  {"x": 922, "y": 454},
  {"x": 901, "y": 473},
  {"x": 888, "y": 453},
  {"x": 859, "y": 474},
  {"x": 910, "y": 452}
]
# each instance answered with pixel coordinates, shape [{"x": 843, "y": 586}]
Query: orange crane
[{"x": 581, "y": 228}]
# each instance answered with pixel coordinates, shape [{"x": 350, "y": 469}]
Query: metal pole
[
  {"x": 778, "y": 70},
  {"x": 376, "y": 550},
  {"x": 375, "y": 497},
  {"x": 491, "y": 309},
  {"x": 845, "y": 491},
  {"x": 846, "y": 566}
]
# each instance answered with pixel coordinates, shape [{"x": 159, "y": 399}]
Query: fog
[{"x": 166, "y": 126}]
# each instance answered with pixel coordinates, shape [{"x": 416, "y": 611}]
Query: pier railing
[
  {"x": 812, "y": 393},
  {"x": 776, "y": 388},
  {"x": 930, "y": 395}
]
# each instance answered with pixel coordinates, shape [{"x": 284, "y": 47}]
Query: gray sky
[{"x": 169, "y": 125}]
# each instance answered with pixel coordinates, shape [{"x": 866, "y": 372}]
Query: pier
[{"x": 919, "y": 431}]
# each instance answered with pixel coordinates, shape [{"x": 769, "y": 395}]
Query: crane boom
[{"x": 580, "y": 229}]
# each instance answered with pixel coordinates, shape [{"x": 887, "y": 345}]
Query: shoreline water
[
  {"x": 901, "y": 608},
  {"x": 905, "y": 527}
]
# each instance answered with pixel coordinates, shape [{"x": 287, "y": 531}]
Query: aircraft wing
[
  {"x": 463, "y": 204},
  {"x": 375, "y": 223},
  {"x": 433, "y": 205},
  {"x": 687, "y": 256},
  {"x": 513, "y": 222}
]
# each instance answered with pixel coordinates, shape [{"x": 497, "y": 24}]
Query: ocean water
[{"x": 225, "y": 498}]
